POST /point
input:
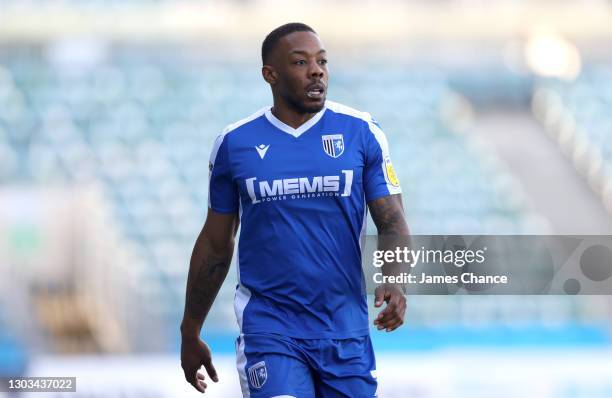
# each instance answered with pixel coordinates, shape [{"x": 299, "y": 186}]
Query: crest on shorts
[
  {"x": 258, "y": 374},
  {"x": 333, "y": 144}
]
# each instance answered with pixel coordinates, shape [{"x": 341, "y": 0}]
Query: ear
[{"x": 269, "y": 74}]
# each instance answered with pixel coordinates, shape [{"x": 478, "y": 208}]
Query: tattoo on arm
[
  {"x": 204, "y": 286},
  {"x": 393, "y": 233},
  {"x": 388, "y": 215}
]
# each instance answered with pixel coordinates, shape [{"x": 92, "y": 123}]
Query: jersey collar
[{"x": 290, "y": 130}]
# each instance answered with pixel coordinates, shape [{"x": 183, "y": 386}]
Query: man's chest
[{"x": 272, "y": 164}]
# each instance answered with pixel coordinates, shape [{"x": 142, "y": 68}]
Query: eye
[
  {"x": 323, "y": 62},
  {"x": 300, "y": 62}
]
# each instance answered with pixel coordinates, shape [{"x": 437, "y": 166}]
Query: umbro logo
[{"x": 262, "y": 149}]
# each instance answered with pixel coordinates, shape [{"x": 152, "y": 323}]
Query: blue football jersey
[{"x": 301, "y": 194}]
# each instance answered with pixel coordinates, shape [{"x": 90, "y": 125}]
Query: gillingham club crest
[
  {"x": 258, "y": 374},
  {"x": 333, "y": 144}
]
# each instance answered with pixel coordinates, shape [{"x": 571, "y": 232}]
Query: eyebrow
[{"x": 305, "y": 52}]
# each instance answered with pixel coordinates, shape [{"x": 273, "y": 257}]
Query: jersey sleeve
[
  {"x": 223, "y": 194},
  {"x": 379, "y": 178}
]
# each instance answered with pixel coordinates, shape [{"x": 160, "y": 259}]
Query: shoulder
[
  {"x": 243, "y": 124},
  {"x": 370, "y": 125},
  {"x": 347, "y": 111},
  {"x": 235, "y": 128}
]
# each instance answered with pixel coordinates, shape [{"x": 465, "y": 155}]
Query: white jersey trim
[
  {"x": 375, "y": 130},
  {"x": 347, "y": 110},
  {"x": 241, "y": 361},
  {"x": 384, "y": 147},
  {"x": 247, "y": 119},
  {"x": 229, "y": 129},
  {"x": 290, "y": 130},
  {"x": 241, "y": 299}
]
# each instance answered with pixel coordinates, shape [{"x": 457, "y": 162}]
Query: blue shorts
[{"x": 271, "y": 365}]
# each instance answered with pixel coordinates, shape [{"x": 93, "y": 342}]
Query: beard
[{"x": 301, "y": 106}]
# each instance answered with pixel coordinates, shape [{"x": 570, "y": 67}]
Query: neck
[{"x": 290, "y": 116}]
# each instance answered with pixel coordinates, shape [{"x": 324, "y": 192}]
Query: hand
[
  {"x": 194, "y": 354},
  {"x": 392, "y": 316}
]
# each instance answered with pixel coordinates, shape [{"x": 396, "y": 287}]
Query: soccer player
[{"x": 297, "y": 176}]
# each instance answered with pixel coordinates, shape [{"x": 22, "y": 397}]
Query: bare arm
[
  {"x": 388, "y": 215},
  {"x": 210, "y": 261}
]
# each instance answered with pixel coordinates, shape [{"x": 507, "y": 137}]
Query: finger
[
  {"x": 400, "y": 314},
  {"x": 197, "y": 381},
  {"x": 383, "y": 316},
  {"x": 198, "y": 386},
  {"x": 379, "y": 317},
  {"x": 396, "y": 304},
  {"x": 389, "y": 317},
  {"x": 393, "y": 314},
  {"x": 386, "y": 322},
  {"x": 210, "y": 369},
  {"x": 379, "y": 296},
  {"x": 390, "y": 322},
  {"x": 394, "y": 325}
]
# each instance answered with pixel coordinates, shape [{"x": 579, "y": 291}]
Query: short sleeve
[
  {"x": 379, "y": 178},
  {"x": 223, "y": 194}
]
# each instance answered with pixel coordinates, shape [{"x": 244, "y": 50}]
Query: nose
[{"x": 316, "y": 70}]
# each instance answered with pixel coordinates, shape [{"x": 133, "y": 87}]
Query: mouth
[{"x": 315, "y": 91}]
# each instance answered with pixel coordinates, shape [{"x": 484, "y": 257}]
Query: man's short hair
[{"x": 273, "y": 37}]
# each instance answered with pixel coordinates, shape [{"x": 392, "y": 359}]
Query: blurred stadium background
[{"x": 499, "y": 118}]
